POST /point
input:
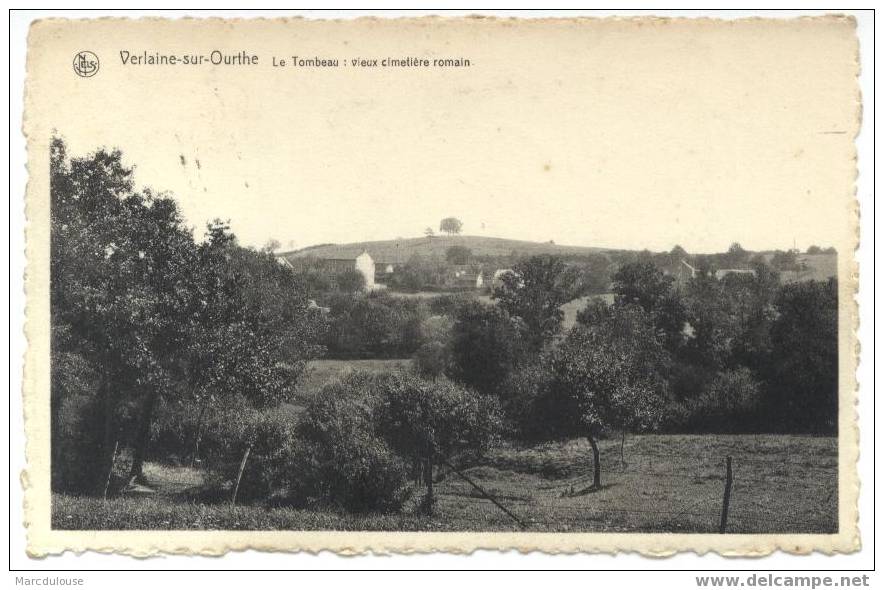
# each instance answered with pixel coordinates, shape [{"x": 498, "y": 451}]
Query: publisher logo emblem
[{"x": 85, "y": 64}]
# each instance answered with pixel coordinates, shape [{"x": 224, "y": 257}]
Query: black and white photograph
[{"x": 486, "y": 278}]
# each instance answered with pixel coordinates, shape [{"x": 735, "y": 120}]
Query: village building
[
  {"x": 467, "y": 276},
  {"x": 334, "y": 263}
]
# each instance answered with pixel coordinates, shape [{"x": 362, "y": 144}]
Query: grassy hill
[{"x": 402, "y": 249}]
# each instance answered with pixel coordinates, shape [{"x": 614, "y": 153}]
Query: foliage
[
  {"x": 344, "y": 460},
  {"x": 419, "y": 272},
  {"x": 425, "y": 419},
  {"x": 641, "y": 283},
  {"x": 350, "y": 281},
  {"x": 458, "y": 255},
  {"x": 803, "y": 363},
  {"x": 486, "y": 345},
  {"x": 433, "y": 358},
  {"x": 272, "y": 443},
  {"x": 611, "y": 375},
  {"x": 534, "y": 292},
  {"x": 149, "y": 314},
  {"x": 785, "y": 260},
  {"x": 729, "y": 403},
  {"x": 377, "y": 325},
  {"x": 451, "y": 225},
  {"x": 594, "y": 274}
]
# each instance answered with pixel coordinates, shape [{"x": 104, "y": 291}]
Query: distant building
[
  {"x": 685, "y": 272},
  {"x": 383, "y": 271},
  {"x": 335, "y": 264},
  {"x": 467, "y": 276}
]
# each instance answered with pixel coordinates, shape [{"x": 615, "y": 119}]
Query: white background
[{"x": 633, "y": 567}]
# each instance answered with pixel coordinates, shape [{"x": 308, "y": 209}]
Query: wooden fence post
[
  {"x": 110, "y": 470},
  {"x": 242, "y": 467},
  {"x": 728, "y": 481}
]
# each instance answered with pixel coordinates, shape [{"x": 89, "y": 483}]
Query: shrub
[
  {"x": 729, "y": 404},
  {"x": 344, "y": 461},
  {"x": 447, "y": 304},
  {"x": 432, "y": 359},
  {"x": 426, "y": 419},
  {"x": 272, "y": 442},
  {"x": 486, "y": 345},
  {"x": 377, "y": 325}
]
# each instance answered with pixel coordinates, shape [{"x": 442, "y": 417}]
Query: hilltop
[{"x": 400, "y": 250}]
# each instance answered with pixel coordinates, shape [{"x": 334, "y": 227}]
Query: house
[
  {"x": 681, "y": 271},
  {"x": 466, "y": 276},
  {"x": 685, "y": 272},
  {"x": 383, "y": 271},
  {"x": 334, "y": 263}
]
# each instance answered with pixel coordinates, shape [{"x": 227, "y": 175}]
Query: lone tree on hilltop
[{"x": 451, "y": 226}]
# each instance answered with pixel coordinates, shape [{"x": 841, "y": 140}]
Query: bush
[
  {"x": 344, "y": 461},
  {"x": 486, "y": 346},
  {"x": 447, "y": 304},
  {"x": 432, "y": 359},
  {"x": 440, "y": 419},
  {"x": 377, "y": 325},
  {"x": 273, "y": 446},
  {"x": 729, "y": 404}
]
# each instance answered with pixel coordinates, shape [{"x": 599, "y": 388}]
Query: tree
[
  {"x": 458, "y": 255},
  {"x": 271, "y": 246},
  {"x": 350, "y": 281},
  {"x": 451, "y": 226},
  {"x": 594, "y": 274},
  {"x": 610, "y": 375},
  {"x": 419, "y": 272},
  {"x": 728, "y": 404},
  {"x": 803, "y": 372},
  {"x": 154, "y": 315},
  {"x": 486, "y": 346},
  {"x": 344, "y": 459},
  {"x": 736, "y": 255},
  {"x": 642, "y": 283},
  {"x": 121, "y": 287},
  {"x": 433, "y": 358},
  {"x": 677, "y": 254},
  {"x": 785, "y": 260},
  {"x": 433, "y": 422},
  {"x": 428, "y": 231},
  {"x": 535, "y": 291},
  {"x": 814, "y": 249}
]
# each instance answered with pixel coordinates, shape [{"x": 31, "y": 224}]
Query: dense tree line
[
  {"x": 740, "y": 354},
  {"x": 143, "y": 316}
]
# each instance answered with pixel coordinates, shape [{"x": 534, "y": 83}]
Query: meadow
[{"x": 665, "y": 483}]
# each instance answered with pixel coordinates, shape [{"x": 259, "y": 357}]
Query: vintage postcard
[{"x": 441, "y": 284}]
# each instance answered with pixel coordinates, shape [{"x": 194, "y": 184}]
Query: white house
[{"x": 334, "y": 263}]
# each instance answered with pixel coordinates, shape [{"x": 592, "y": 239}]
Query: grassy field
[
  {"x": 401, "y": 250},
  {"x": 320, "y": 372},
  {"x": 666, "y": 484}
]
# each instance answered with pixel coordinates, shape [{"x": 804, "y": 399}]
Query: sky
[{"x": 621, "y": 135}]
